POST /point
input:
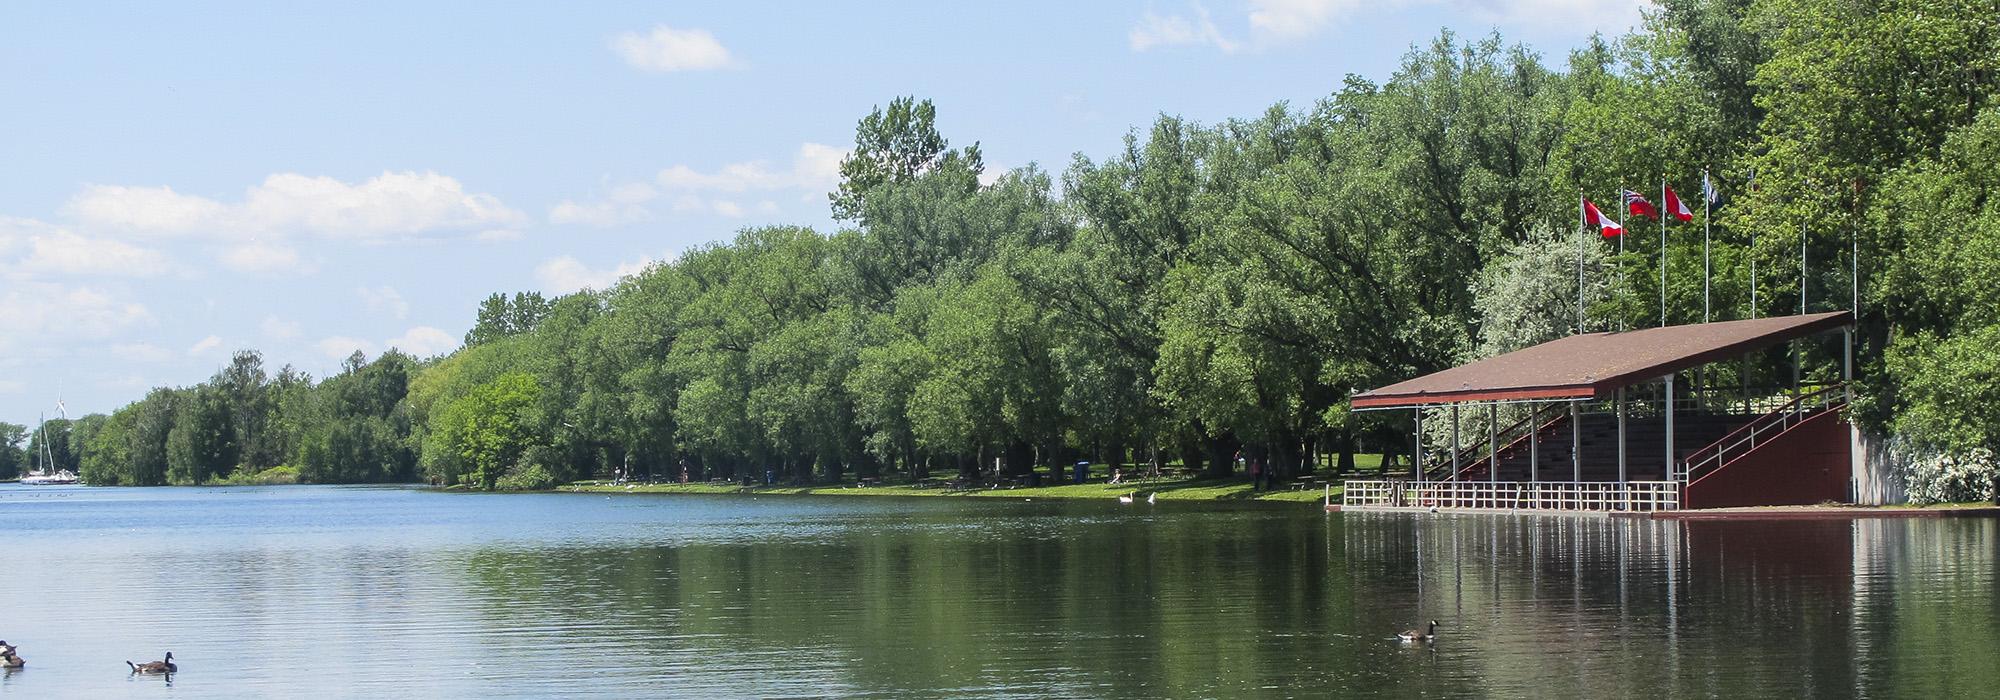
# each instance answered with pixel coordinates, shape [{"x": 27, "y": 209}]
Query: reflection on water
[{"x": 368, "y": 591}]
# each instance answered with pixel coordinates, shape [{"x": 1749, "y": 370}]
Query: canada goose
[
  {"x": 162, "y": 666},
  {"x": 1415, "y": 636},
  {"x": 1125, "y": 499}
]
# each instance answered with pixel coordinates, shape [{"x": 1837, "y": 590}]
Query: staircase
[
  {"x": 1645, "y": 445},
  {"x": 1796, "y": 455}
]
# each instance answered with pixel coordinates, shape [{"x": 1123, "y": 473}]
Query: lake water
[{"x": 389, "y": 592}]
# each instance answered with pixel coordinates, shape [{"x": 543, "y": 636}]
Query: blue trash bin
[{"x": 1082, "y": 472}]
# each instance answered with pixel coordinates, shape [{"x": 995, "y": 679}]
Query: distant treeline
[
  {"x": 352, "y": 427},
  {"x": 1206, "y": 290}
]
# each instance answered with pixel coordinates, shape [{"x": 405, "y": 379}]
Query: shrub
[
  {"x": 528, "y": 477},
  {"x": 1946, "y": 477}
]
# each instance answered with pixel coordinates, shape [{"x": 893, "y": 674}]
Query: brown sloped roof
[{"x": 1590, "y": 365}]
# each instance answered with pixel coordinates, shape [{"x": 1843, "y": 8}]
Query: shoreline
[{"x": 1165, "y": 490}]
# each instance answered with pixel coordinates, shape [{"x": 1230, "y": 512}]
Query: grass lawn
[{"x": 1166, "y": 489}]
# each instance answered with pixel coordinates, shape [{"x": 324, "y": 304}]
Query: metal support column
[
  {"x": 1417, "y": 454},
  {"x": 1535, "y": 444},
  {"x": 1847, "y": 362},
  {"x": 1621, "y": 435},
  {"x": 1669, "y": 473},
  {"x": 1492, "y": 442},
  {"x": 1575, "y": 441},
  {"x": 1453, "y": 476}
]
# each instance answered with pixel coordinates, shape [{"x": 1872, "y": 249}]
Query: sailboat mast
[{"x": 45, "y": 459}]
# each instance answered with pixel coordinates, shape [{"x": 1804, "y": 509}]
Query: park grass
[
  {"x": 1233, "y": 489},
  {"x": 1098, "y": 488}
]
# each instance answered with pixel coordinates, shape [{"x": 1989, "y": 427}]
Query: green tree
[
  {"x": 201, "y": 445},
  {"x": 893, "y": 146},
  {"x": 13, "y": 458},
  {"x": 493, "y": 426}
]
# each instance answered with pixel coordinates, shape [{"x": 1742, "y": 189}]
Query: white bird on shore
[{"x": 1125, "y": 499}]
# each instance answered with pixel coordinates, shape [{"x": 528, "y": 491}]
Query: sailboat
[{"x": 45, "y": 472}]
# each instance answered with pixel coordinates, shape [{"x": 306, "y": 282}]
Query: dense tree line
[{"x": 1205, "y": 290}]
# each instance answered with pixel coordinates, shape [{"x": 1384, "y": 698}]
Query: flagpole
[
  {"x": 1623, "y": 206},
  {"x": 1802, "y": 301},
  {"x": 1707, "y": 268},
  {"x": 1582, "y": 239},
  {"x": 1753, "y": 248},
  {"x": 1663, "y": 250}
]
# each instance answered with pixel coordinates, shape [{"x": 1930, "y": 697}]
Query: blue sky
[{"x": 183, "y": 181}]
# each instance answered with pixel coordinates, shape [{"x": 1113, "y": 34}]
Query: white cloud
[
  {"x": 817, "y": 166},
  {"x": 424, "y": 341},
  {"x": 991, "y": 174},
  {"x": 262, "y": 258},
  {"x": 280, "y": 329},
  {"x": 1294, "y": 19},
  {"x": 566, "y": 274},
  {"x": 58, "y": 312},
  {"x": 814, "y": 170},
  {"x": 384, "y": 298},
  {"x": 813, "y": 166},
  {"x": 624, "y": 205},
  {"x": 140, "y": 352},
  {"x": 122, "y": 382},
  {"x": 1154, "y": 30},
  {"x": 339, "y": 347},
  {"x": 63, "y": 252},
  {"x": 388, "y": 205},
  {"x": 666, "y": 49},
  {"x": 205, "y": 346},
  {"x": 1609, "y": 16},
  {"x": 1269, "y": 22},
  {"x": 144, "y": 208}
]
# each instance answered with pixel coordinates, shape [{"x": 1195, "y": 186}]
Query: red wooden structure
[{"x": 1577, "y": 417}]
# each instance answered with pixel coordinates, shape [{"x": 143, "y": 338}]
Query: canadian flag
[
  {"x": 1675, "y": 207},
  {"x": 1605, "y": 226}
]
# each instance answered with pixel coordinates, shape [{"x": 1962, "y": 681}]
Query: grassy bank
[{"x": 1165, "y": 489}]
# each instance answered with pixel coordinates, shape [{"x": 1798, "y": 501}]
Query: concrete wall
[{"x": 1875, "y": 479}]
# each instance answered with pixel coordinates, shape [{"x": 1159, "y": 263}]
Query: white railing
[
  {"x": 1587, "y": 496},
  {"x": 1765, "y": 427}
]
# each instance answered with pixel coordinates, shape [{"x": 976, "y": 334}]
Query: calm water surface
[{"x": 385, "y": 592}]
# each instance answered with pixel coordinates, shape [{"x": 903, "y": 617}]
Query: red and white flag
[
  {"x": 1605, "y": 226},
  {"x": 1637, "y": 204},
  {"x": 1675, "y": 206}
]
